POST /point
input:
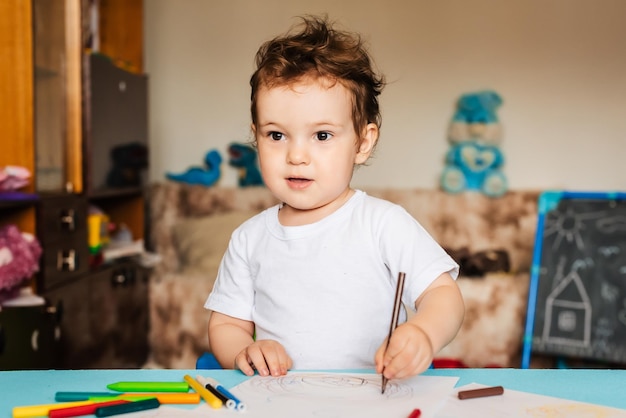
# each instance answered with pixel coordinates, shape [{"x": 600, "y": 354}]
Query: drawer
[
  {"x": 62, "y": 217},
  {"x": 63, "y": 260},
  {"x": 62, "y": 231}
]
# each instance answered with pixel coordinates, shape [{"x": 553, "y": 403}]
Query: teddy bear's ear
[{"x": 491, "y": 100}]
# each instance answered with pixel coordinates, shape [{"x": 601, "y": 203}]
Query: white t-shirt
[{"x": 326, "y": 290}]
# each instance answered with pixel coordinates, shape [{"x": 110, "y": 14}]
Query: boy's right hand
[{"x": 268, "y": 357}]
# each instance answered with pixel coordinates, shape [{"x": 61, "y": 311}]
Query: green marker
[
  {"x": 125, "y": 408},
  {"x": 149, "y": 386}
]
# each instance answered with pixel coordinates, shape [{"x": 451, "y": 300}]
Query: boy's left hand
[{"x": 409, "y": 353}]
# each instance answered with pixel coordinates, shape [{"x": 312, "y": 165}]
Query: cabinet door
[
  {"x": 116, "y": 138},
  {"x": 28, "y": 338},
  {"x": 104, "y": 319},
  {"x": 119, "y": 315},
  {"x": 72, "y": 301},
  {"x": 57, "y": 91}
]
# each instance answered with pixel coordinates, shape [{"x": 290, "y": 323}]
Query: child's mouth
[{"x": 298, "y": 182}]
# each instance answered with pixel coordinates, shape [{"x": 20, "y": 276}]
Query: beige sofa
[{"x": 190, "y": 227}]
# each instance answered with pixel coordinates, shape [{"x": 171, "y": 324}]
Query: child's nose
[{"x": 297, "y": 153}]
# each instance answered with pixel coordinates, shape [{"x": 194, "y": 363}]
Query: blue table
[{"x": 603, "y": 387}]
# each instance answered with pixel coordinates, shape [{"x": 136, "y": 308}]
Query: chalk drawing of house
[{"x": 568, "y": 314}]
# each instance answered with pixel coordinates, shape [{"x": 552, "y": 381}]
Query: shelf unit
[{"x": 47, "y": 130}]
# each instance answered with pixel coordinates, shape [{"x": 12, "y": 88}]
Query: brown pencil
[
  {"x": 397, "y": 304},
  {"x": 481, "y": 393}
]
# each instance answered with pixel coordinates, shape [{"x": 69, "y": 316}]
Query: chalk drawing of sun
[{"x": 568, "y": 226}]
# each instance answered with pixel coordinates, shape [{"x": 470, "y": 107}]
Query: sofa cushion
[{"x": 201, "y": 242}]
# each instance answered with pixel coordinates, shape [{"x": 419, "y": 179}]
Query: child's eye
[
  {"x": 323, "y": 136},
  {"x": 276, "y": 136}
]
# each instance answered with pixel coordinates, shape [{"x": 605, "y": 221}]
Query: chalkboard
[{"x": 577, "y": 294}]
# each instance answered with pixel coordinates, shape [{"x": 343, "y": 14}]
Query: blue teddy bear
[{"x": 474, "y": 160}]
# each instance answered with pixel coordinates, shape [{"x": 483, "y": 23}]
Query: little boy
[{"x": 310, "y": 283}]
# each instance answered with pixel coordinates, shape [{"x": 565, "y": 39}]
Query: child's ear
[{"x": 368, "y": 141}]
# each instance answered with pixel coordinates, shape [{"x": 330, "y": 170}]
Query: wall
[{"x": 560, "y": 66}]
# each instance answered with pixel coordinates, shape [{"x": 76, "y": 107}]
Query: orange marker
[{"x": 164, "y": 398}]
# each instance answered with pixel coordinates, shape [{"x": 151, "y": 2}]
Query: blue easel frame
[{"x": 547, "y": 201}]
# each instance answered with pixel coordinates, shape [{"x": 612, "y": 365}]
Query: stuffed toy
[
  {"x": 127, "y": 162},
  {"x": 474, "y": 159},
  {"x": 207, "y": 175},
  {"x": 244, "y": 157},
  {"x": 19, "y": 259},
  {"x": 13, "y": 177}
]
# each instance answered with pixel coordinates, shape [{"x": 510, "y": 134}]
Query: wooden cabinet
[
  {"x": 51, "y": 128},
  {"x": 105, "y": 318}
]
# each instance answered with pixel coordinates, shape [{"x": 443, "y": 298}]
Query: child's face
[{"x": 308, "y": 147}]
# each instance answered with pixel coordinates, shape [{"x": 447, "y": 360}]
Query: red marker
[
  {"x": 415, "y": 414},
  {"x": 76, "y": 411}
]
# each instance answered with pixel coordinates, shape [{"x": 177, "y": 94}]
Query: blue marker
[{"x": 233, "y": 402}]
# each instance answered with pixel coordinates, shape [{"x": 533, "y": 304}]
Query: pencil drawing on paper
[
  {"x": 336, "y": 387},
  {"x": 336, "y": 395}
]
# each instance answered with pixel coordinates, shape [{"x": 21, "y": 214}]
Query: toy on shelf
[
  {"x": 19, "y": 259},
  {"x": 205, "y": 176},
  {"x": 474, "y": 160},
  {"x": 13, "y": 177},
  {"x": 244, "y": 157},
  {"x": 127, "y": 162}
]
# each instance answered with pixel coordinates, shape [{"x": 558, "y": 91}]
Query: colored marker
[
  {"x": 164, "y": 398},
  {"x": 209, "y": 398},
  {"x": 415, "y": 414},
  {"x": 107, "y": 411},
  {"x": 481, "y": 393},
  {"x": 76, "y": 411},
  {"x": 28, "y": 411},
  {"x": 229, "y": 403},
  {"x": 239, "y": 405},
  {"x": 149, "y": 386},
  {"x": 80, "y": 396}
]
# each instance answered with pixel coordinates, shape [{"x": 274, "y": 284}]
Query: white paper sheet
[{"x": 335, "y": 395}]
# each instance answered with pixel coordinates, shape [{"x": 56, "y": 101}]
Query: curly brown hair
[{"x": 316, "y": 49}]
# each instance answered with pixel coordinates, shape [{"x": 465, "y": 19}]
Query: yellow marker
[
  {"x": 211, "y": 399},
  {"x": 164, "y": 398},
  {"x": 29, "y": 411}
]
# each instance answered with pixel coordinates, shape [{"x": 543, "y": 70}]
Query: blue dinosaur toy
[
  {"x": 244, "y": 157},
  {"x": 474, "y": 160},
  {"x": 205, "y": 176}
]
